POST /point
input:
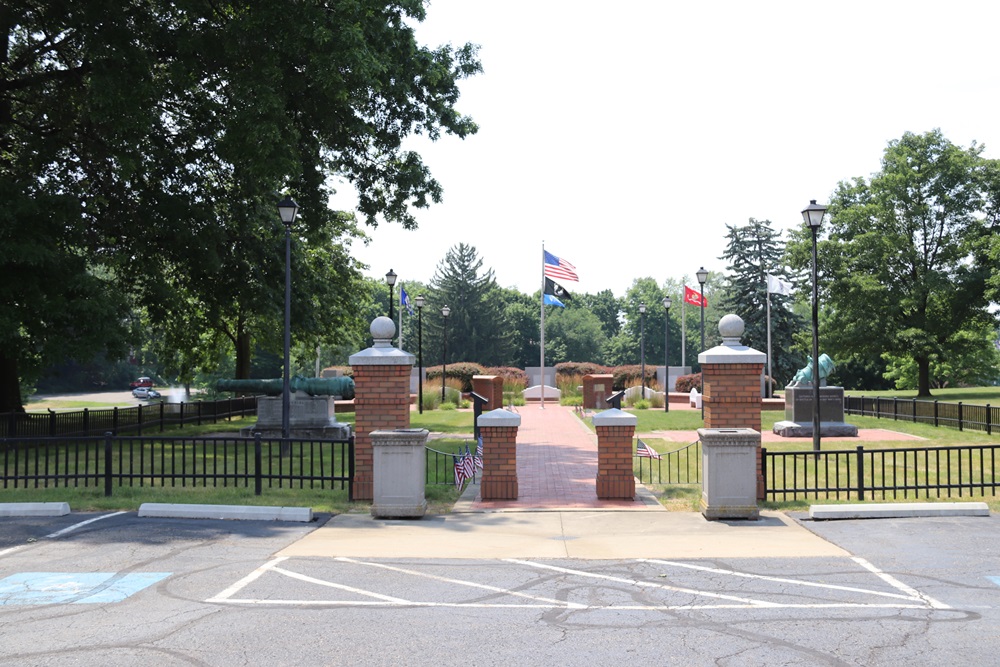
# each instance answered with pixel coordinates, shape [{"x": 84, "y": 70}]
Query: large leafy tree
[
  {"x": 904, "y": 266},
  {"x": 753, "y": 252},
  {"x": 153, "y": 136}
]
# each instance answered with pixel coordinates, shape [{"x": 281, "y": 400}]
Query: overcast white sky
[{"x": 626, "y": 135}]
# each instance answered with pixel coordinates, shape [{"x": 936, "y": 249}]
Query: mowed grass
[{"x": 980, "y": 395}]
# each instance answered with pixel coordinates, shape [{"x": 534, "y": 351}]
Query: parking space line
[
  {"x": 242, "y": 583},
  {"x": 9, "y": 550},
  {"x": 343, "y": 587},
  {"x": 896, "y": 583},
  {"x": 60, "y": 533}
]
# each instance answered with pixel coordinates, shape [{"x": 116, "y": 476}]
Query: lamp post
[
  {"x": 702, "y": 276},
  {"x": 666, "y": 354},
  {"x": 813, "y": 216},
  {"x": 420, "y": 352},
  {"x": 642, "y": 347},
  {"x": 445, "y": 312},
  {"x": 390, "y": 280},
  {"x": 287, "y": 209}
]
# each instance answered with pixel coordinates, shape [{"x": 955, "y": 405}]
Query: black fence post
[
  {"x": 989, "y": 420},
  {"x": 935, "y": 412},
  {"x": 107, "y": 464},
  {"x": 914, "y": 411},
  {"x": 114, "y": 420},
  {"x": 86, "y": 421},
  {"x": 52, "y": 423},
  {"x": 350, "y": 468},
  {"x": 763, "y": 469},
  {"x": 182, "y": 414},
  {"x": 257, "y": 483},
  {"x": 162, "y": 413},
  {"x": 198, "y": 414},
  {"x": 861, "y": 472},
  {"x": 139, "y": 419},
  {"x": 960, "y": 415}
]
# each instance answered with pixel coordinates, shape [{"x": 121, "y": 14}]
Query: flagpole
[
  {"x": 767, "y": 389},
  {"x": 541, "y": 306},
  {"x": 684, "y": 330},
  {"x": 401, "y": 318}
]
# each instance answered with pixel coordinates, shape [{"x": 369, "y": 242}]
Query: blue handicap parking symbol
[
  {"x": 995, "y": 580},
  {"x": 74, "y": 588}
]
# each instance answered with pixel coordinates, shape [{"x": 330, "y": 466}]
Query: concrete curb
[
  {"x": 235, "y": 512},
  {"x": 34, "y": 509},
  {"x": 896, "y": 510}
]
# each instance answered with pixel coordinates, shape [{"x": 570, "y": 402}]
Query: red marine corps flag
[{"x": 694, "y": 297}]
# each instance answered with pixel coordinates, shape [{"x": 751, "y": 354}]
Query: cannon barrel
[{"x": 342, "y": 386}]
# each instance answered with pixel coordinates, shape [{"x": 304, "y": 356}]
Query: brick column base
[
  {"x": 615, "y": 479},
  {"x": 499, "y": 480}
]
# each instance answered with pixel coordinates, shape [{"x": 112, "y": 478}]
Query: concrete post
[
  {"x": 400, "y": 473},
  {"x": 498, "y": 429},
  {"x": 729, "y": 486},
  {"x": 615, "y": 478},
  {"x": 381, "y": 398}
]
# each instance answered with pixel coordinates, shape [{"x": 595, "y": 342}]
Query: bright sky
[{"x": 626, "y": 135}]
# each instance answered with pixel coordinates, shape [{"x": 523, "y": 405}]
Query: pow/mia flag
[{"x": 556, "y": 290}]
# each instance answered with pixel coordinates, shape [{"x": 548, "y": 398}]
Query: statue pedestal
[{"x": 799, "y": 413}]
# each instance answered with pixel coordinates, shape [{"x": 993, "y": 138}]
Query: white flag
[{"x": 776, "y": 285}]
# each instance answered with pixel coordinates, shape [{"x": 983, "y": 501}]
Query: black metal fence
[
  {"x": 681, "y": 466},
  {"x": 882, "y": 474},
  {"x": 958, "y": 415},
  {"x": 154, "y": 417},
  {"x": 441, "y": 465},
  {"x": 127, "y": 461}
]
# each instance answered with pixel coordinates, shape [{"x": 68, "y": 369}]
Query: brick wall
[
  {"x": 381, "y": 403},
  {"x": 732, "y": 400},
  {"x": 499, "y": 480},
  {"x": 615, "y": 479}
]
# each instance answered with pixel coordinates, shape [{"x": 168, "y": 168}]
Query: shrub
[
  {"x": 576, "y": 368},
  {"x": 628, "y": 376},
  {"x": 432, "y": 400},
  {"x": 461, "y": 371},
  {"x": 641, "y": 404},
  {"x": 511, "y": 376},
  {"x": 687, "y": 382},
  {"x": 571, "y": 400}
]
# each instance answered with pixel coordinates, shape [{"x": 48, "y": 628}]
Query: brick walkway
[{"x": 556, "y": 465}]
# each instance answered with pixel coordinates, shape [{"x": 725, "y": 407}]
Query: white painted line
[
  {"x": 644, "y": 584},
  {"x": 343, "y": 587},
  {"x": 782, "y": 580},
  {"x": 896, "y": 583},
  {"x": 256, "y": 574},
  {"x": 462, "y": 582},
  {"x": 10, "y": 550},
  {"x": 610, "y": 607},
  {"x": 60, "y": 533}
]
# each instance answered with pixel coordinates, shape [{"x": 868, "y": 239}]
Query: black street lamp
[
  {"x": 642, "y": 347},
  {"x": 420, "y": 352},
  {"x": 702, "y": 276},
  {"x": 287, "y": 209},
  {"x": 390, "y": 280},
  {"x": 813, "y": 216},
  {"x": 666, "y": 355},
  {"x": 445, "y": 312}
]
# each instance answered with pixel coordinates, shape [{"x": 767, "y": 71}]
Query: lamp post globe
[
  {"x": 420, "y": 301},
  {"x": 666, "y": 354},
  {"x": 390, "y": 280},
  {"x": 812, "y": 215},
  {"x": 287, "y": 210}
]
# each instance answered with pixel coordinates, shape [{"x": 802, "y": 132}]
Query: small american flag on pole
[
  {"x": 558, "y": 268},
  {"x": 460, "y": 475},
  {"x": 644, "y": 450},
  {"x": 479, "y": 453}
]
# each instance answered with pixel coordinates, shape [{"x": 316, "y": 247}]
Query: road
[
  {"x": 122, "y": 398},
  {"x": 120, "y": 590}
]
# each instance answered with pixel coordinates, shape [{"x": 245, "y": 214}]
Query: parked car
[
  {"x": 141, "y": 382},
  {"x": 145, "y": 393}
]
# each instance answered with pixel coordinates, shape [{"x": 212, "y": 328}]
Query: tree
[
  {"x": 904, "y": 266},
  {"x": 753, "y": 252},
  {"x": 155, "y": 136},
  {"x": 476, "y": 328},
  {"x": 606, "y": 306},
  {"x": 573, "y": 334}
]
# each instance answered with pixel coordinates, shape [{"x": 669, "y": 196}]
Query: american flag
[
  {"x": 460, "y": 475},
  {"x": 479, "y": 453},
  {"x": 559, "y": 268},
  {"x": 469, "y": 463},
  {"x": 642, "y": 449}
]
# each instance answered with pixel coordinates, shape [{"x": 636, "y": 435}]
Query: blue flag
[
  {"x": 404, "y": 300},
  {"x": 550, "y": 300}
]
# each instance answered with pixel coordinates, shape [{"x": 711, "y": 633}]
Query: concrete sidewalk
[{"x": 557, "y": 515}]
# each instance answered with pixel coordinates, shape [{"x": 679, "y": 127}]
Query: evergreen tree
[{"x": 754, "y": 251}]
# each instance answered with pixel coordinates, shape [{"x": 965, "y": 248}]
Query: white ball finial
[
  {"x": 731, "y": 328},
  {"x": 382, "y": 331}
]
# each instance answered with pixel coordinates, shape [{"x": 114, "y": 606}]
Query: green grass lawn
[{"x": 981, "y": 395}]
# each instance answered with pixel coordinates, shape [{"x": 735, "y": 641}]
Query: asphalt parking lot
[{"x": 122, "y": 590}]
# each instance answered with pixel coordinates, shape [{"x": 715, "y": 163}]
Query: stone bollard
[
  {"x": 615, "y": 478},
  {"x": 381, "y": 398},
  {"x": 729, "y": 465},
  {"x": 400, "y": 473},
  {"x": 498, "y": 429}
]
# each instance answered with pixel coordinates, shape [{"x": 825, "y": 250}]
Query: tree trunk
[
  {"x": 923, "y": 378},
  {"x": 242, "y": 355},
  {"x": 10, "y": 385}
]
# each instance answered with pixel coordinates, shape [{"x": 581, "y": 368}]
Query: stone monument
[
  {"x": 800, "y": 396},
  {"x": 312, "y": 412}
]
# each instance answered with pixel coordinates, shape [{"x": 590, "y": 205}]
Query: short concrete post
[
  {"x": 381, "y": 398},
  {"x": 615, "y": 477},
  {"x": 400, "y": 473},
  {"x": 729, "y": 462},
  {"x": 498, "y": 428}
]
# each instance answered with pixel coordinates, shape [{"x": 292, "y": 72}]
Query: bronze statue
[{"x": 804, "y": 375}]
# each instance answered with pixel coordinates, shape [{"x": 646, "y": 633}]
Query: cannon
[{"x": 342, "y": 386}]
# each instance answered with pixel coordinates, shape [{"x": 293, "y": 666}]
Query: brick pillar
[
  {"x": 615, "y": 479},
  {"x": 381, "y": 398},
  {"x": 498, "y": 429},
  {"x": 489, "y": 387},
  {"x": 596, "y": 388},
  {"x": 731, "y": 393}
]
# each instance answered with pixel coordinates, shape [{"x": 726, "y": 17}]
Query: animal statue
[{"x": 804, "y": 375}]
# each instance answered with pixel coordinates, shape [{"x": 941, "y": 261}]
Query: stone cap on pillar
[
  {"x": 498, "y": 418},
  {"x": 382, "y": 353},
  {"x": 614, "y": 417},
  {"x": 731, "y": 351}
]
